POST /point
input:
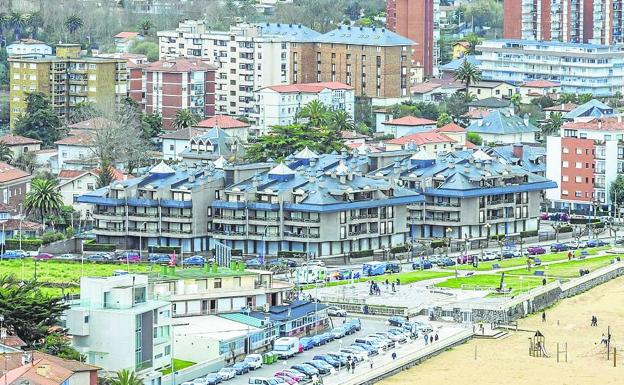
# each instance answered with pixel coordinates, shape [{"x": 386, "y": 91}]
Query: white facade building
[
  {"x": 116, "y": 327},
  {"x": 28, "y": 47},
  {"x": 279, "y": 104},
  {"x": 579, "y": 68}
]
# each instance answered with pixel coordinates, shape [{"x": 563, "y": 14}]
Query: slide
[{"x": 544, "y": 352}]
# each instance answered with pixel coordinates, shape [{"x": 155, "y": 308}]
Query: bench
[
  {"x": 539, "y": 273},
  {"x": 495, "y": 266},
  {"x": 469, "y": 273},
  {"x": 584, "y": 254}
]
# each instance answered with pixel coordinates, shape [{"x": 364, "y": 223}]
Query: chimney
[
  {"x": 43, "y": 370},
  {"x": 518, "y": 150}
]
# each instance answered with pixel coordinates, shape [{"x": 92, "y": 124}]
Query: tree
[
  {"x": 18, "y": 22},
  {"x": 616, "y": 190},
  {"x": 105, "y": 177},
  {"x": 4, "y": 69},
  {"x": 185, "y": 118},
  {"x": 147, "y": 48},
  {"x": 43, "y": 199},
  {"x": 57, "y": 345},
  {"x": 484, "y": 13},
  {"x": 553, "y": 124},
  {"x": 39, "y": 120},
  {"x": 467, "y": 74},
  {"x": 6, "y": 155},
  {"x": 457, "y": 104},
  {"x": 340, "y": 120},
  {"x": 35, "y": 23},
  {"x": 444, "y": 119},
  {"x": 73, "y": 23},
  {"x": 145, "y": 26},
  {"x": 316, "y": 113},
  {"x": 26, "y": 161},
  {"x": 125, "y": 377},
  {"x": 515, "y": 101},
  {"x": 474, "y": 138},
  {"x": 151, "y": 124},
  {"x": 27, "y": 311},
  {"x": 473, "y": 41}
]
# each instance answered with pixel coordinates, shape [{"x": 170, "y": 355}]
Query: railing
[
  {"x": 364, "y": 216},
  {"x": 443, "y": 204},
  {"x": 296, "y": 235},
  {"x": 355, "y": 233},
  {"x": 223, "y": 232},
  {"x": 269, "y": 219},
  {"x": 442, "y": 219},
  {"x": 231, "y": 217},
  {"x": 143, "y": 215},
  {"x": 187, "y": 216},
  {"x": 109, "y": 213},
  {"x": 306, "y": 220},
  {"x": 176, "y": 231}
]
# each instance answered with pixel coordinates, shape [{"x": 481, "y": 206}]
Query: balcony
[
  {"x": 363, "y": 217},
  {"x": 303, "y": 220},
  {"x": 103, "y": 214},
  {"x": 442, "y": 219},
  {"x": 231, "y": 217},
  {"x": 177, "y": 218},
  {"x": 501, "y": 202},
  {"x": 176, "y": 233},
  {"x": 357, "y": 233},
  {"x": 114, "y": 231},
  {"x": 301, "y": 235},
  {"x": 443, "y": 204},
  {"x": 263, "y": 219}
]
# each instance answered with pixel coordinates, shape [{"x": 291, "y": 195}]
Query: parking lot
[{"x": 369, "y": 326}]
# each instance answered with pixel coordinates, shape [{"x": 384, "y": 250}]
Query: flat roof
[
  {"x": 198, "y": 273},
  {"x": 211, "y": 327}
]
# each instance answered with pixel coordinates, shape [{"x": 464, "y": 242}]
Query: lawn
[
  {"x": 492, "y": 281},
  {"x": 178, "y": 365},
  {"x": 567, "y": 269},
  {"x": 405, "y": 278},
  {"x": 521, "y": 261}
]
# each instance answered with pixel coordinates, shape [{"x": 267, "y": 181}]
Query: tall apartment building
[
  {"x": 575, "y": 21},
  {"x": 578, "y": 159},
  {"x": 578, "y": 68},
  {"x": 67, "y": 78},
  {"x": 247, "y": 57},
  {"x": 418, "y": 20},
  {"x": 376, "y": 62},
  {"x": 172, "y": 85}
]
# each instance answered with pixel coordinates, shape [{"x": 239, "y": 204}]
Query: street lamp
[
  {"x": 448, "y": 236},
  {"x": 20, "y": 227},
  {"x": 487, "y": 240}
]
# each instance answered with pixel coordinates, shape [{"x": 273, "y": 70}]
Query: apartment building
[
  {"x": 578, "y": 159},
  {"x": 575, "y": 21},
  {"x": 247, "y": 57},
  {"x": 175, "y": 84},
  {"x": 279, "y": 104},
  {"x": 376, "y": 62},
  {"x": 142, "y": 326},
  {"x": 418, "y": 20},
  {"x": 468, "y": 194},
  {"x": 321, "y": 205},
  {"x": 67, "y": 78},
  {"x": 27, "y": 47},
  {"x": 578, "y": 68},
  {"x": 203, "y": 292}
]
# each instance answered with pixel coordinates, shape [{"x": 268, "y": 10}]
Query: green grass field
[
  {"x": 567, "y": 269},
  {"x": 178, "y": 365},
  {"x": 492, "y": 281}
]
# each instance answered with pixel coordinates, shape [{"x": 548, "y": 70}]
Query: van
[
  {"x": 262, "y": 381},
  {"x": 254, "y": 361},
  {"x": 286, "y": 347}
]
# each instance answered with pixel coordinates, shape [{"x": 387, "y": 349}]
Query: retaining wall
[
  {"x": 195, "y": 371},
  {"x": 67, "y": 246}
]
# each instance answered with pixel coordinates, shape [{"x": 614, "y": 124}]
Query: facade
[
  {"x": 406, "y": 125},
  {"x": 430, "y": 142},
  {"x": 73, "y": 183},
  {"x": 468, "y": 195},
  {"x": 172, "y": 85},
  {"x": 501, "y": 128},
  {"x": 76, "y": 151},
  {"x": 492, "y": 89},
  {"x": 14, "y": 184},
  {"x": 124, "y": 40},
  {"x": 20, "y": 144},
  {"x": 376, "y": 62},
  {"x": 539, "y": 88},
  {"x": 297, "y": 319},
  {"x": 67, "y": 79},
  {"x": 418, "y": 20},
  {"x": 279, "y": 105},
  {"x": 233, "y": 127},
  {"x": 27, "y": 47},
  {"x": 120, "y": 303},
  {"x": 578, "y": 159},
  {"x": 247, "y": 57},
  {"x": 175, "y": 142},
  {"x": 578, "y": 68}
]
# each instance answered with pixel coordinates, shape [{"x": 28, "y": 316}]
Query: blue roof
[
  {"x": 364, "y": 36},
  {"x": 499, "y": 123},
  {"x": 455, "y": 64},
  {"x": 532, "y": 158},
  {"x": 593, "y": 108},
  {"x": 556, "y": 44},
  {"x": 293, "y": 311},
  {"x": 296, "y": 33}
]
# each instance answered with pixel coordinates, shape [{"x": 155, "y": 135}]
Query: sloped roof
[
  {"x": 311, "y": 88},
  {"x": 423, "y": 88},
  {"x": 39, "y": 372},
  {"x": 281, "y": 169},
  {"x": 223, "y": 122},
  {"x": 541, "y": 84},
  {"x": 91, "y": 124},
  {"x": 295, "y": 33},
  {"x": 598, "y": 124},
  {"x": 421, "y": 138},
  {"x": 183, "y": 133},
  {"x": 364, "y": 36},
  {"x": 451, "y": 127},
  {"x": 489, "y": 84},
  {"x": 71, "y": 174},
  {"x": 563, "y": 107},
  {"x": 498, "y": 123},
  {"x": 594, "y": 108},
  {"x": 409, "y": 121},
  {"x": 126, "y": 35},
  {"x": 15, "y": 140},
  {"x": 9, "y": 173},
  {"x": 80, "y": 139},
  {"x": 490, "y": 102},
  {"x": 162, "y": 168},
  {"x": 306, "y": 153},
  {"x": 455, "y": 64},
  {"x": 179, "y": 65}
]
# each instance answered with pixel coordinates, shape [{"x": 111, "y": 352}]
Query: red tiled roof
[
  {"x": 567, "y": 107},
  {"x": 451, "y": 127},
  {"x": 598, "y": 124},
  {"x": 541, "y": 84},
  {"x": 423, "y": 88},
  {"x": 9, "y": 173},
  {"x": 410, "y": 121},
  {"x": 477, "y": 113},
  {"x": 92, "y": 124},
  {"x": 464, "y": 44},
  {"x": 126, "y": 35},
  {"x": 180, "y": 65},
  {"x": 71, "y": 174},
  {"x": 117, "y": 174},
  {"x": 352, "y": 135},
  {"x": 223, "y": 122},
  {"x": 422, "y": 138},
  {"x": 310, "y": 87},
  {"x": 14, "y": 140},
  {"x": 13, "y": 341},
  {"x": 14, "y": 224},
  {"x": 39, "y": 372},
  {"x": 470, "y": 145},
  {"x": 80, "y": 139}
]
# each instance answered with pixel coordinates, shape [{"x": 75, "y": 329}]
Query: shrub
[
  {"x": 90, "y": 245},
  {"x": 361, "y": 253},
  {"x": 26, "y": 244},
  {"x": 399, "y": 249},
  {"x": 291, "y": 254},
  {"x": 164, "y": 249},
  {"x": 51, "y": 236},
  {"x": 565, "y": 229},
  {"x": 528, "y": 234},
  {"x": 438, "y": 243}
]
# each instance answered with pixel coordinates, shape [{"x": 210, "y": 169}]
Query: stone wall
[{"x": 67, "y": 246}]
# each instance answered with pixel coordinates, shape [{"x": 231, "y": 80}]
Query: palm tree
[
  {"x": 35, "y": 23},
  {"x": 468, "y": 74},
  {"x": 316, "y": 113},
  {"x": 185, "y": 118},
  {"x": 473, "y": 41},
  {"x": 146, "y": 25},
  {"x": 340, "y": 120},
  {"x": 516, "y": 101},
  {"x": 125, "y": 377},
  {"x": 73, "y": 23},
  {"x": 18, "y": 22},
  {"x": 6, "y": 155},
  {"x": 43, "y": 199},
  {"x": 5, "y": 22},
  {"x": 553, "y": 124}
]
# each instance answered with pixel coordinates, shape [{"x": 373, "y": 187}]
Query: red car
[
  {"x": 44, "y": 256},
  {"x": 536, "y": 250}
]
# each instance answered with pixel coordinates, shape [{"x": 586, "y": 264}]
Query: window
[
  {"x": 343, "y": 232},
  {"x": 578, "y": 179},
  {"x": 579, "y": 151},
  {"x": 564, "y": 164},
  {"x": 343, "y": 217},
  {"x": 390, "y": 227},
  {"x": 578, "y": 194},
  {"x": 566, "y": 150},
  {"x": 237, "y": 281},
  {"x": 579, "y": 165},
  {"x": 565, "y": 178},
  {"x": 564, "y": 192},
  {"x": 217, "y": 283}
]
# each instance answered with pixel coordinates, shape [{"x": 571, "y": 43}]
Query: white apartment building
[
  {"x": 279, "y": 104},
  {"x": 28, "y": 47},
  {"x": 116, "y": 326},
  {"x": 247, "y": 57},
  {"x": 579, "y": 68}
]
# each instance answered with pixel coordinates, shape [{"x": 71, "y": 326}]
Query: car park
[
  {"x": 306, "y": 369},
  {"x": 254, "y": 361},
  {"x": 322, "y": 366},
  {"x": 241, "y": 367},
  {"x": 307, "y": 343},
  {"x": 66, "y": 257},
  {"x": 195, "y": 260},
  {"x": 227, "y": 373},
  {"x": 536, "y": 250},
  {"x": 335, "y": 311},
  {"x": 559, "y": 247}
]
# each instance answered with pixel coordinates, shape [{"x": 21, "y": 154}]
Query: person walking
[
  {"x": 352, "y": 366},
  {"x": 394, "y": 356},
  {"x": 436, "y": 337},
  {"x": 543, "y": 316},
  {"x": 426, "y": 339},
  {"x": 370, "y": 362}
]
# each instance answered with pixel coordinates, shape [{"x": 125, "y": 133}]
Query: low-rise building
[
  {"x": 447, "y": 71},
  {"x": 406, "y": 125},
  {"x": 562, "y": 109},
  {"x": 14, "y": 185},
  {"x": 453, "y": 131},
  {"x": 431, "y": 142},
  {"x": 233, "y": 127},
  {"x": 73, "y": 183},
  {"x": 176, "y": 142},
  {"x": 461, "y": 49},
  {"x": 120, "y": 304},
  {"x": 28, "y": 47},
  {"x": 492, "y": 89},
  {"x": 124, "y": 40},
  {"x": 213, "y": 145},
  {"x": 531, "y": 157},
  {"x": 297, "y": 319},
  {"x": 491, "y": 104},
  {"x": 46, "y": 364},
  {"x": 592, "y": 109},
  {"x": 20, "y": 144},
  {"x": 539, "y": 88},
  {"x": 76, "y": 151},
  {"x": 497, "y": 127}
]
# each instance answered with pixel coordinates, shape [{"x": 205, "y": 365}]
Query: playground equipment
[
  {"x": 537, "y": 347},
  {"x": 562, "y": 349}
]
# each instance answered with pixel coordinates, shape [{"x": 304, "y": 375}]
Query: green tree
[
  {"x": 43, "y": 199},
  {"x": 152, "y": 125},
  {"x": 584, "y": 98},
  {"x": 444, "y": 119},
  {"x": 147, "y": 48},
  {"x": 39, "y": 120},
  {"x": 473, "y": 41},
  {"x": 185, "y": 118},
  {"x": 26, "y": 161},
  {"x": 35, "y": 23},
  {"x": 18, "y": 22},
  {"x": 516, "y": 100},
  {"x": 446, "y": 50},
  {"x": 316, "y": 113},
  {"x": 616, "y": 190},
  {"x": 484, "y": 13},
  {"x": 4, "y": 68},
  {"x": 27, "y": 311},
  {"x": 467, "y": 74},
  {"x": 553, "y": 124},
  {"x": 125, "y": 377},
  {"x": 340, "y": 120},
  {"x": 457, "y": 104},
  {"x": 6, "y": 154},
  {"x": 146, "y": 25},
  {"x": 57, "y": 345},
  {"x": 474, "y": 138},
  {"x": 105, "y": 177},
  {"x": 73, "y": 23}
]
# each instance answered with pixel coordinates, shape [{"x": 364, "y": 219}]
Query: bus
[
  {"x": 374, "y": 268},
  {"x": 309, "y": 274}
]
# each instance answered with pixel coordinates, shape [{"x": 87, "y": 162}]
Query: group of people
[
  {"x": 351, "y": 364},
  {"x": 431, "y": 339},
  {"x": 374, "y": 288},
  {"x": 594, "y": 321}
]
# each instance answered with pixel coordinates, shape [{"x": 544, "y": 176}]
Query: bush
[
  {"x": 565, "y": 229},
  {"x": 528, "y": 234},
  {"x": 497, "y": 237},
  {"x": 438, "y": 243},
  {"x": 51, "y": 236},
  {"x": 26, "y": 244},
  {"x": 291, "y": 254},
  {"x": 164, "y": 249},
  {"x": 361, "y": 253},
  {"x": 69, "y": 232},
  {"x": 399, "y": 249},
  {"x": 90, "y": 245}
]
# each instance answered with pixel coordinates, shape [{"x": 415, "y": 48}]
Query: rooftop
[
  {"x": 223, "y": 122},
  {"x": 490, "y": 102},
  {"x": 423, "y": 88},
  {"x": 205, "y": 272},
  {"x": 295, "y": 310},
  {"x": 9, "y": 173},
  {"x": 15, "y": 140},
  {"x": 421, "y": 138},
  {"x": 79, "y": 139},
  {"x": 183, "y": 133},
  {"x": 541, "y": 84},
  {"x": 92, "y": 124},
  {"x": 296, "y": 33},
  {"x": 409, "y": 121},
  {"x": 369, "y": 36},
  {"x": 211, "y": 327},
  {"x": 499, "y": 123},
  {"x": 39, "y": 372},
  {"x": 597, "y": 124},
  {"x": 455, "y": 64},
  {"x": 311, "y": 88},
  {"x": 563, "y": 107},
  {"x": 180, "y": 65},
  {"x": 451, "y": 127},
  {"x": 126, "y": 35},
  {"x": 594, "y": 108}
]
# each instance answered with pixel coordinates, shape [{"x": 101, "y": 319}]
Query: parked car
[
  {"x": 423, "y": 327},
  {"x": 338, "y": 332},
  {"x": 292, "y": 373},
  {"x": 536, "y": 250},
  {"x": 339, "y": 356},
  {"x": 357, "y": 354},
  {"x": 285, "y": 379},
  {"x": 445, "y": 262},
  {"x": 99, "y": 257},
  {"x": 43, "y": 256},
  {"x": 254, "y": 361},
  {"x": 213, "y": 379},
  {"x": 395, "y": 337},
  {"x": 307, "y": 343},
  {"x": 370, "y": 351},
  {"x": 423, "y": 264},
  {"x": 574, "y": 245},
  {"x": 254, "y": 263},
  {"x": 195, "y": 260},
  {"x": 384, "y": 341},
  {"x": 489, "y": 256},
  {"x": 67, "y": 257},
  {"x": 335, "y": 311},
  {"x": 401, "y": 334},
  {"x": 159, "y": 258},
  {"x": 227, "y": 373},
  {"x": 306, "y": 369},
  {"x": 393, "y": 267},
  {"x": 318, "y": 340},
  {"x": 544, "y": 216},
  {"x": 329, "y": 359},
  {"x": 559, "y": 247},
  {"x": 596, "y": 243},
  {"x": 355, "y": 322},
  {"x": 241, "y": 367},
  {"x": 13, "y": 254},
  {"x": 327, "y": 336},
  {"x": 396, "y": 321},
  {"x": 537, "y": 262},
  {"x": 129, "y": 257},
  {"x": 322, "y": 366}
]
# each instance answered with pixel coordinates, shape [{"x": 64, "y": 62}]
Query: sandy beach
[{"x": 507, "y": 361}]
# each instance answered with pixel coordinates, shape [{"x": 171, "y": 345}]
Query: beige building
[
  {"x": 492, "y": 89},
  {"x": 20, "y": 144}
]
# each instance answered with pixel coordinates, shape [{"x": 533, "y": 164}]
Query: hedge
[
  {"x": 599, "y": 225},
  {"x": 236, "y": 253},
  {"x": 90, "y": 245},
  {"x": 497, "y": 237},
  {"x": 291, "y": 254},
  {"x": 399, "y": 249},
  {"x": 27, "y": 244},
  {"x": 528, "y": 234},
  {"x": 164, "y": 249},
  {"x": 438, "y": 243},
  {"x": 361, "y": 254},
  {"x": 565, "y": 229},
  {"x": 583, "y": 221}
]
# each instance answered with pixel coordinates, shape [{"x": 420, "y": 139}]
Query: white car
[
  {"x": 254, "y": 361},
  {"x": 424, "y": 327},
  {"x": 66, "y": 256},
  {"x": 335, "y": 311},
  {"x": 227, "y": 373},
  {"x": 359, "y": 355},
  {"x": 395, "y": 337},
  {"x": 489, "y": 256}
]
